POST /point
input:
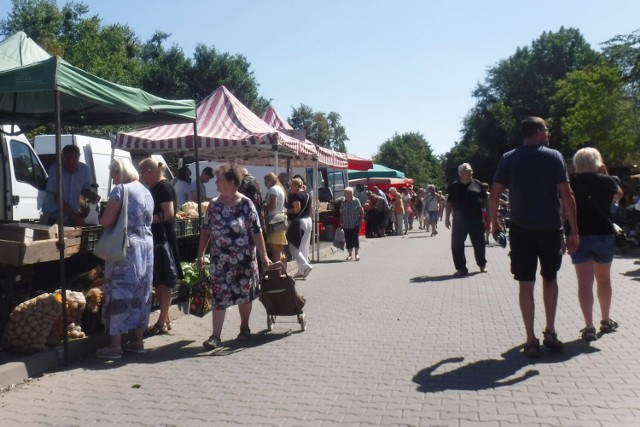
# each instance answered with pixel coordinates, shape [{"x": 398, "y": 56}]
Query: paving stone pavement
[{"x": 391, "y": 340}]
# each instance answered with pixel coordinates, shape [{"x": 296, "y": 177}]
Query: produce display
[
  {"x": 76, "y": 303},
  {"x": 189, "y": 210},
  {"x": 30, "y": 324}
]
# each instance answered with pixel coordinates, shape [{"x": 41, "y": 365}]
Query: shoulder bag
[{"x": 113, "y": 244}]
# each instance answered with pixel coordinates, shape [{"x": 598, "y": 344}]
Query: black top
[
  {"x": 163, "y": 192},
  {"x": 467, "y": 199},
  {"x": 305, "y": 204},
  {"x": 594, "y": 193}
]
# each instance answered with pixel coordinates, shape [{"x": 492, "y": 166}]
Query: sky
[{"x": 386, "y": 66}]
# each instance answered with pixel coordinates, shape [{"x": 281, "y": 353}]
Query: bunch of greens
[{"x": 191, "y": 275}]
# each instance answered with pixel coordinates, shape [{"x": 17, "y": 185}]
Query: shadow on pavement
[
  {"x": 183, "y": 350},
  {"x": 426, "y": 279},
  {"x": 493, "y": 373}
]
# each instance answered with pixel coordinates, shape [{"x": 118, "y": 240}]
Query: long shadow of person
[{"x": 492, "y": 373}]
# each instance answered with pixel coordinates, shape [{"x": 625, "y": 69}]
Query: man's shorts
[
  {"x": 529, "y": 246},
  {"x": 433, "y": 217},
  {"x": 595, "y": 247}
]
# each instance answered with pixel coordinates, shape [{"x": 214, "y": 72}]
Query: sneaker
[
  {"x": 552, "y": 342},
  {"x": 298, "y": 276},
  {"x": 212, "y": 343},
  {"x": 306, "y": 272},
  {"x": 461, "y": 273},
  {"x": 608, "y": 326},
  {"x": 109, "y": 353},
  {"x": 134, "y": 347},
  {"x": 483, "y": 269}
]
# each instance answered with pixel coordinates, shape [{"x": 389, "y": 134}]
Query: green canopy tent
[
  {"x": 37, "y": 90},
  {"x": 378, "y": 171}
]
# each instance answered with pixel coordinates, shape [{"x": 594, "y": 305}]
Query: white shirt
[
  {"x": 277, "y": 191},
  {"x": 183, "y": 192}
]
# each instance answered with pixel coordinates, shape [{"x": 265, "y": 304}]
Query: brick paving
[{"x": 391, "y": 340}]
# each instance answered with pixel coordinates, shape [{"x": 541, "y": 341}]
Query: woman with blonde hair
[
  {"x": 166, "y": 261},
  {"x": 594, "y": 191},
  {"x": 276, "y": 240},
  {"x": 128, "y": 283}
]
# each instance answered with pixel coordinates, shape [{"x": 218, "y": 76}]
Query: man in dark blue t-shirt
[{"x": 535, "y": 175}]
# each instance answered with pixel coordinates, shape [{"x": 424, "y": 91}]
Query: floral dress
[
  {"x": 128, "y": 283},
  {"x": 234, "y": 267}
]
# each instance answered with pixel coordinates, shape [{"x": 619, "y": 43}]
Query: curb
[{"x": 34, "y": 365}]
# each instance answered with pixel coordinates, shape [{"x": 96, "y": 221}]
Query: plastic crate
[
  {"x": 89, "y": 237},
  {"x": 192, "y": 227},
  {"x": 178, "y": 293}
]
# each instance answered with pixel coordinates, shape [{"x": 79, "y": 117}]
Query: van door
[{"x": 27, "y": 180}]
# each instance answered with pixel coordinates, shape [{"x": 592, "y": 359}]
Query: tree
[
  {"x": 598, "y": 113},
  {"x": 212, "y": 69},
  {"x": 519, "y": 86},
  {"x": 411, "y": 153},
  {"x": 322, "y": 129}
]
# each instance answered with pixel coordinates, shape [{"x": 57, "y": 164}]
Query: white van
[
  {"x": 94, "y": 152},
  {"x": 23, "y": 178}
]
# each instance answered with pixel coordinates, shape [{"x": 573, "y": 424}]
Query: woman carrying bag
[
  {"x": 351, "y": 216},
  {"x": 128, "y": 282}
]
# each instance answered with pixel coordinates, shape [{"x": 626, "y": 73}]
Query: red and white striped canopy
[
  {"x": 325, "y": 156},
  {"x": 226, "y": 129}
]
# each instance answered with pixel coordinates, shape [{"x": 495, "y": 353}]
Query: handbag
[
  {"x": 165, "y": 269},
  {"x": 113, "y": 244},
  {"x": 200, "y": 297},
  {"x": 338, "y": 240},
  {"x": 277, "y": 223}
]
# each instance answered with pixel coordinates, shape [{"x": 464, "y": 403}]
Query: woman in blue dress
[
  {"x": 128, "y": 283},
  {"x": 231, "y": 231}
]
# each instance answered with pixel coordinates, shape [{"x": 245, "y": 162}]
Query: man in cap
[{"x": 205, "y": 176}]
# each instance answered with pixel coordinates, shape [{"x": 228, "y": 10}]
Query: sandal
[
  {"x": 157, "y": 329},
  {"x": 532, "y": 349},
  {"x": 589, "y": 334},
  {"x": 551, "y": 341},
  {"x": 608, "y": 326},
  {"x": 244, "y": 335},
  {"x": 349, "y": 258}
]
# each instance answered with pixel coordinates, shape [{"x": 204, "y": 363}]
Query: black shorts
[{"x": 529, "y": 246}]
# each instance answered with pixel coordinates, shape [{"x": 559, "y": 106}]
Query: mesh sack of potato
[
  {"x": 76, "y": 303},
  {"x": 30, "y": 323}
]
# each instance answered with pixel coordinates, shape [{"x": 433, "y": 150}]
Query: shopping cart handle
[{"x": 277, "y": 266}]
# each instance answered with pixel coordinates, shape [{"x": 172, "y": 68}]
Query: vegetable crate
[
  {"x": 178, "y": 293},
  {"x": 89, "y": 237},
  {"x": 187, "y": 227},
  {"x": 16, "y": 284}
]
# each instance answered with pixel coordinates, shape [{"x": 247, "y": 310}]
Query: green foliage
[
  {"x": 411, "y": 154},
  {"x": 322, "y": 129},
  {"x": 519, "y": 86},
  {"x": 598, "y": 112}
]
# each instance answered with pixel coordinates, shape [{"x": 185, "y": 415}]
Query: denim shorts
[{"x": 595, "y": 247}]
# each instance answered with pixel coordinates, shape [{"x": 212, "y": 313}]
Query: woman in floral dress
[
  {"x": 231, "y": 230},
  {"x": 128, "y": 283}
]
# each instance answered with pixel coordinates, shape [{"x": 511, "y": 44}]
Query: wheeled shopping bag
[{"x": 279, "y": 296}]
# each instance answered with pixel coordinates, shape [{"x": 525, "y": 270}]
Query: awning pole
[{"x": 316, "y": 214}]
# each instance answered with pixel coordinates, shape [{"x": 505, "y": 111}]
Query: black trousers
[{"x": 460, "y": 229}]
